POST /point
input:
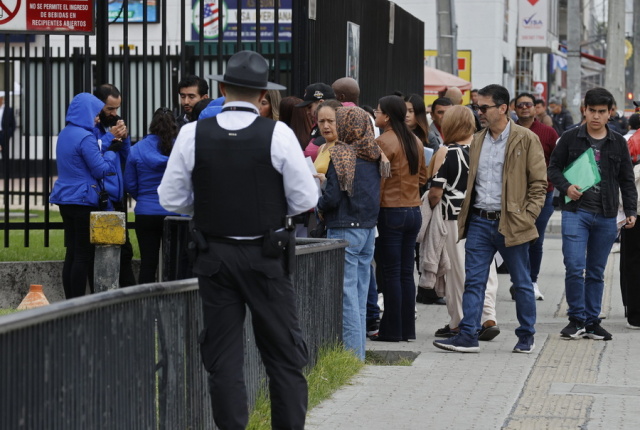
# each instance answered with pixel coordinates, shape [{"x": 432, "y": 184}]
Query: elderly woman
[
  {"x": 449, "y": 185},
  {"x": 349, "y": 205}
]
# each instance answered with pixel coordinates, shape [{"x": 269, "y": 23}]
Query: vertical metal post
[
  {"x": 614, "y": 71},
  {"x": 636, "y": 49},
  {"x": 574, "y": 66},
  {"x": 107, "y": 232},
  {"x": 447, "y": 46},
  {"x": 102, "y": 41},
  {"x": 299, "y": 47}
]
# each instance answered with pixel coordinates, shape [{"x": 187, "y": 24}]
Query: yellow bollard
[
  {"x": 107, "y": 233},
  {"x": 34, "y": 298}
]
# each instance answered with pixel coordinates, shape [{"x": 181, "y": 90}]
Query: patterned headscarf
[{"x": 355, "y": 140}]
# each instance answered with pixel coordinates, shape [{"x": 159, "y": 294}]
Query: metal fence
[
  {"x": 49, "y": 70},
  {"x": 128, "y": 358}
]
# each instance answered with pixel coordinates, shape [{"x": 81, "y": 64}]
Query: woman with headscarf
[
  {"x": 399, "y": 220},
  {"x": 349, "y": 206},
  {"x": 142, "y": 175}
]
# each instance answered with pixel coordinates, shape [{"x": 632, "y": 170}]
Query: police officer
[{"x": 240, "y": 175}]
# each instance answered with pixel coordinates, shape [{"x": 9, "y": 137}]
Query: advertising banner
[
  {"x": 533, "y": 23},
  {"x": 248, "y": 15}
]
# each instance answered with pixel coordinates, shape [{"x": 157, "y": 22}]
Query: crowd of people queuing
[{"x": 445, "y": 192}]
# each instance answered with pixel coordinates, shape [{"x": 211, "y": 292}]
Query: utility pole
[
  {"x": 614, "y": 71},
  {"x": 574, "y": 64},
  {"x": 447, "y": 59},
  {"x": 636, "y": 49}
]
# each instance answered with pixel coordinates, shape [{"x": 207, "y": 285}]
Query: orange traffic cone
[{"x": 34, "y": 298}]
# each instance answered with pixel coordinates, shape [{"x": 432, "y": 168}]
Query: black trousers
[
  {"x": 233, "y": 277},
  {"x": 78, "y": 260},
  {"x": 630, "y": 273},
  {"x": 126, "y": 277},
  {"x": 149, "y": 230}
]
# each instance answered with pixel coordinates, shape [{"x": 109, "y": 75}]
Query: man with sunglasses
[
  {"x": 505, "y": 193},
  {"x": 525, "y": 109}
]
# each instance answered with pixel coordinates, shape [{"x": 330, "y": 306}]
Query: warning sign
[{"x": 47, "y": 16}]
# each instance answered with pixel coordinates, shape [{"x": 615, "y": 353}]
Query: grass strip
[{"x": 335, "y": 367}]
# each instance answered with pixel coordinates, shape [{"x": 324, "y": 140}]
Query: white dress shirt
[
  {"x": 176, "y": 188},
  {"x": 489, "y": 176}
]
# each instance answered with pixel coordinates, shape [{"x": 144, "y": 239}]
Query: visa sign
[
  {"x": 533, "y": 25},
  {"x": 532, "y": 22}
]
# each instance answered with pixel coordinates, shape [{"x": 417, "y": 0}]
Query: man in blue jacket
[{"x": 112, "y": 129}]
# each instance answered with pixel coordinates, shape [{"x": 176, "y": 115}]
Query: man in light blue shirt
[{"x": 506, "y": 189}]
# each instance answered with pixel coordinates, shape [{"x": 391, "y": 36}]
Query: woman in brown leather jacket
[{"x": 399, "y": 220}]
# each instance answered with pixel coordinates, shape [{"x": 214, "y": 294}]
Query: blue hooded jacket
[
  {"x": 82, "y": 169},
  {"x": 143, "y": 173}
]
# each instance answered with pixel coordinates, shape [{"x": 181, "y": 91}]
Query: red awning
[
  {"x": 595, "y": 58},
  {"x": 436, "y": 81}
]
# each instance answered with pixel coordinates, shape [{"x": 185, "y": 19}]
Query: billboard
[
  {"x": 248, "y": 14},
  {"x": 135, "y": 11}
]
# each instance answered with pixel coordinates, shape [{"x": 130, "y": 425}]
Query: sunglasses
[
  {"x": 484, "y": 108},
  {"x": 524, "y": 105}
]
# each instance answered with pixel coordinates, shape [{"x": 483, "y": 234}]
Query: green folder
[{"x": 583, "y": 172}]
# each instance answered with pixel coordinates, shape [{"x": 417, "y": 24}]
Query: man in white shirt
[{"x": 240, "y": 175}]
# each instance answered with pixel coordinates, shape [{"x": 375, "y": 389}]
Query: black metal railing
[{"x": 129, "y": 358}]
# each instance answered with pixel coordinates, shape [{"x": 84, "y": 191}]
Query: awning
[
  {"x": 595, "y": 58},
  {"x": 436, "y": 81}
]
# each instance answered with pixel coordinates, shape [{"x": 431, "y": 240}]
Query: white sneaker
[
  {"x": 381, "y": 302},
  {"x": 633, "y": 327},
  {"x": 537, "y": 292}
]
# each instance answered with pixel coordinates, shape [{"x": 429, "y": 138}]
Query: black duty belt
[{"x": 488, "y": 215}]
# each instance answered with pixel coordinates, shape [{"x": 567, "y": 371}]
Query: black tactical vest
[{"x": 237, "y": 192}]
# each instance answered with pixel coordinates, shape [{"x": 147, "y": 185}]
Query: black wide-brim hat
[{"x": 247, "y": 69}]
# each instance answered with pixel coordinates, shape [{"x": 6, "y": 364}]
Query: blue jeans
[
  {"x": 483, "y": 240},
  {"x": 586, "y": 242},
  {"x": 373, "y": 310},
  {"x": 535, "y": 250},
  {"x": 398, "y": 228},
  {"x": 357, "y": 269}
]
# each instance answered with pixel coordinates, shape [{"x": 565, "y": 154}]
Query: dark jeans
[
  {"x": 630, "y": 273},
  {"x": 126, "y": 278},
  {"x": 78, "y": 260},
  {"x": 535, "y": 250},
  {"x": 398, "y": 228},
  {"x": 149, "y": 230},
  {"x": 232, "y": 278}
]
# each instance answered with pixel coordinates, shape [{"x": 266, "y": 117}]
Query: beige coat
[{"x": 524, "y": 185}]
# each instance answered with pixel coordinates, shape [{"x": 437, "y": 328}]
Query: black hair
[
  {"x": 396, "y": 109},
  {"x": 198, "y": 108},
  {"x": 441, "y": 101},
  {"x": 369, "y": 110},
  {"x": 420, "y": 112},
  {"x": 634, "y": 121},
  {"x": 499, "y": 94},
  {"x": 475, "y": 90},
  {"x": 163, "y": 124},
  {"x": 539, "y": 102},
  {"x": 106, "y": 90},
  {"x": 598, "y": 96},
  {"x": 529, "y": 95},
  {"x": 192, "y": 81}
]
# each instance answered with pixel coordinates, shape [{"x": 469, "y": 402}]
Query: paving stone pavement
[{"x": 578, "y": 384}]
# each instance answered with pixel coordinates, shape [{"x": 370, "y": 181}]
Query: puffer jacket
[
  {"x": 143, "y": 173},
  {"x": 524, "y": 185},
  {"x": 82, "y": 169},
  {"x": 359, "y": 210}
]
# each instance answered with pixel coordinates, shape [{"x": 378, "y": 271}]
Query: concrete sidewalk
[{"x": 563, "y": 384}]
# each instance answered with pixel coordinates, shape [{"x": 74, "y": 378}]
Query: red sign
[
  {"x": 46, "y": 16},
  {"x": 540, "y": 89}
]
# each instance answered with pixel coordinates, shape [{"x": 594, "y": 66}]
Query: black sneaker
[
  {"x": 446, "y": 332},
  {"x": 596, "y": 332},
  {"x": 488, "y": 333},
  {"x": 373, "y": 328},
  {"x": 573, "y": 330}
]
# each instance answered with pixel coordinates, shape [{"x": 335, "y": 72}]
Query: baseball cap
[
  {"x": 315, "y": 92},
  {"x": 554, "y": 101}
]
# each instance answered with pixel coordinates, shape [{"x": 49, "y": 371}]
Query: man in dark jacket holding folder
[{"x": 589, "y": 217}]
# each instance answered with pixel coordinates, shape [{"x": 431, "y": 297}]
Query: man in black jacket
[
  {"x": 589, "y": 216},
  {"x": 8, "y": 123}
]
